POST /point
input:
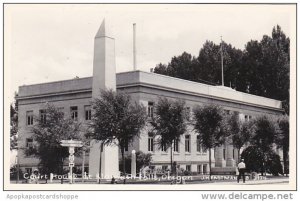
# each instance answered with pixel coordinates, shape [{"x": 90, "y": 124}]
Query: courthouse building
[{"x": 74, "y": 98}]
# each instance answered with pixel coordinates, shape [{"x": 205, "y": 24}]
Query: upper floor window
[
  {"x": 61, "y": 110},
  {"x": 248, "y": 117},
  {"x": 176, "y": 145},
  {"x": 88, "y": 112},
  {"x": 227, "y": 112},
  {"x": 188, "y": 113},
  {"x": 150, "y": 142},
  {"x": 29, "y": 117},
  {"x": 163, "y": 148},
  {"x": 43, "y": 116},
  {"x": 199, "y": 148},
  {"x": 74, "y": 113},
  {"x": 187, "y": 143},
  {"x": 150, "y": 109}
]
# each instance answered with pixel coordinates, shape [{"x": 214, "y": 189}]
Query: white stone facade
[
  {"x": 144, "y": 88},
  {"x": 78, "y": 92}
]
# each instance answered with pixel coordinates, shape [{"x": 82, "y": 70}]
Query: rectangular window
[
  {"x": 188, "y": 113},
  {"x": 61, "y": 110},
  {"x": 199, "y": 169},
  {"x": 29, "y": 143},
  {"x": 126, "y": 145},
  {"x": 29, "y": 117},
  {"x": 150, "y": 109},
  {"x": 205, "y": 169},
  {"x": 43, "y": 116},
  {"x": 163, "y": 148},
  {"x": 187, "y": 143},
  {"x": 74, "y": 113},
  {"x": 224, "y": 154},
  {"x": 88, "y": 112},
  {"x": 233, "y": 153},
  {"x": 176, "y": 145},
  {"x": 188, "y": 168},
  {"x": 150, "y": 142},
  {"x": 86, "y": 169},
  {"x": 247, "y": 117},
  {"x": 28, "y": 170},
  {"x": 199, "y": 148},
  {"x": 164, "y": 168}
]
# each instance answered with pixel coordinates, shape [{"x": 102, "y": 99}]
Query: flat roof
[{"x": 148, "y": 79}]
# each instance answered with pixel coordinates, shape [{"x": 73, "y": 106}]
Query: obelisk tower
[{"x": 104, "y": 77}]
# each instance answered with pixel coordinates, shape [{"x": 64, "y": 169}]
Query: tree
[
  {"x": 182, "y": 66},
  {"x": 256, "y": 161},
  {"x": 161, "y": 69},
  {"x": 264, "y": 135},
  {"x": 283, "y": 139},
  {"x": 262, "y": 68},
  {"x": 210, "y": 124},
  {"x": 267, "y": 66},
  {"x": 240, "y": 132},
  {"x": 116, "y": 119},
  {"x": 142, "y": 160},
  {"x": 48, "y": 131},
  {"x": 169, "y": 123},
  {"x": 13, "y": 125}
]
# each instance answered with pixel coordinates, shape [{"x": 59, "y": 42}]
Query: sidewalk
[
  {"x": 271, "y": 181},
  {"x": 195, "y": 181}
]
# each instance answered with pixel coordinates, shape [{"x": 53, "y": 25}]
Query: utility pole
[{"x": 222, "y": 61}]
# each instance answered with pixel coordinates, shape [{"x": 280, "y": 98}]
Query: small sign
[
  {"x": 71, "y": 150},
  {"x": 71, "y": 143},
  {"x": 71, "y": 164},
  {"x": 71, "y": 158}
]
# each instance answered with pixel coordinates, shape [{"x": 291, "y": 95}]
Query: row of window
[
  {"x": 88, "y": 113},
  {"x": 200, "y": 168},
  {"x": 187, "y": 144},
  {"x": 73, "y": 114},
  {"x": 188, "y": 111}
]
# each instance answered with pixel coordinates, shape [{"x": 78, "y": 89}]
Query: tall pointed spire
[
  {"x": 104, "y": 66},
  {"x": 104, "y": 77},
  {"x": 104, "y": 31}
]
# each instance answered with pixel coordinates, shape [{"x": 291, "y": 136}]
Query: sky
[{"x": 45, "y": 43}]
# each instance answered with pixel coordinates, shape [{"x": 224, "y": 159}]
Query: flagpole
[
  {"x": 222, "y": 61},
  {"x": 134, "y": 46}
]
